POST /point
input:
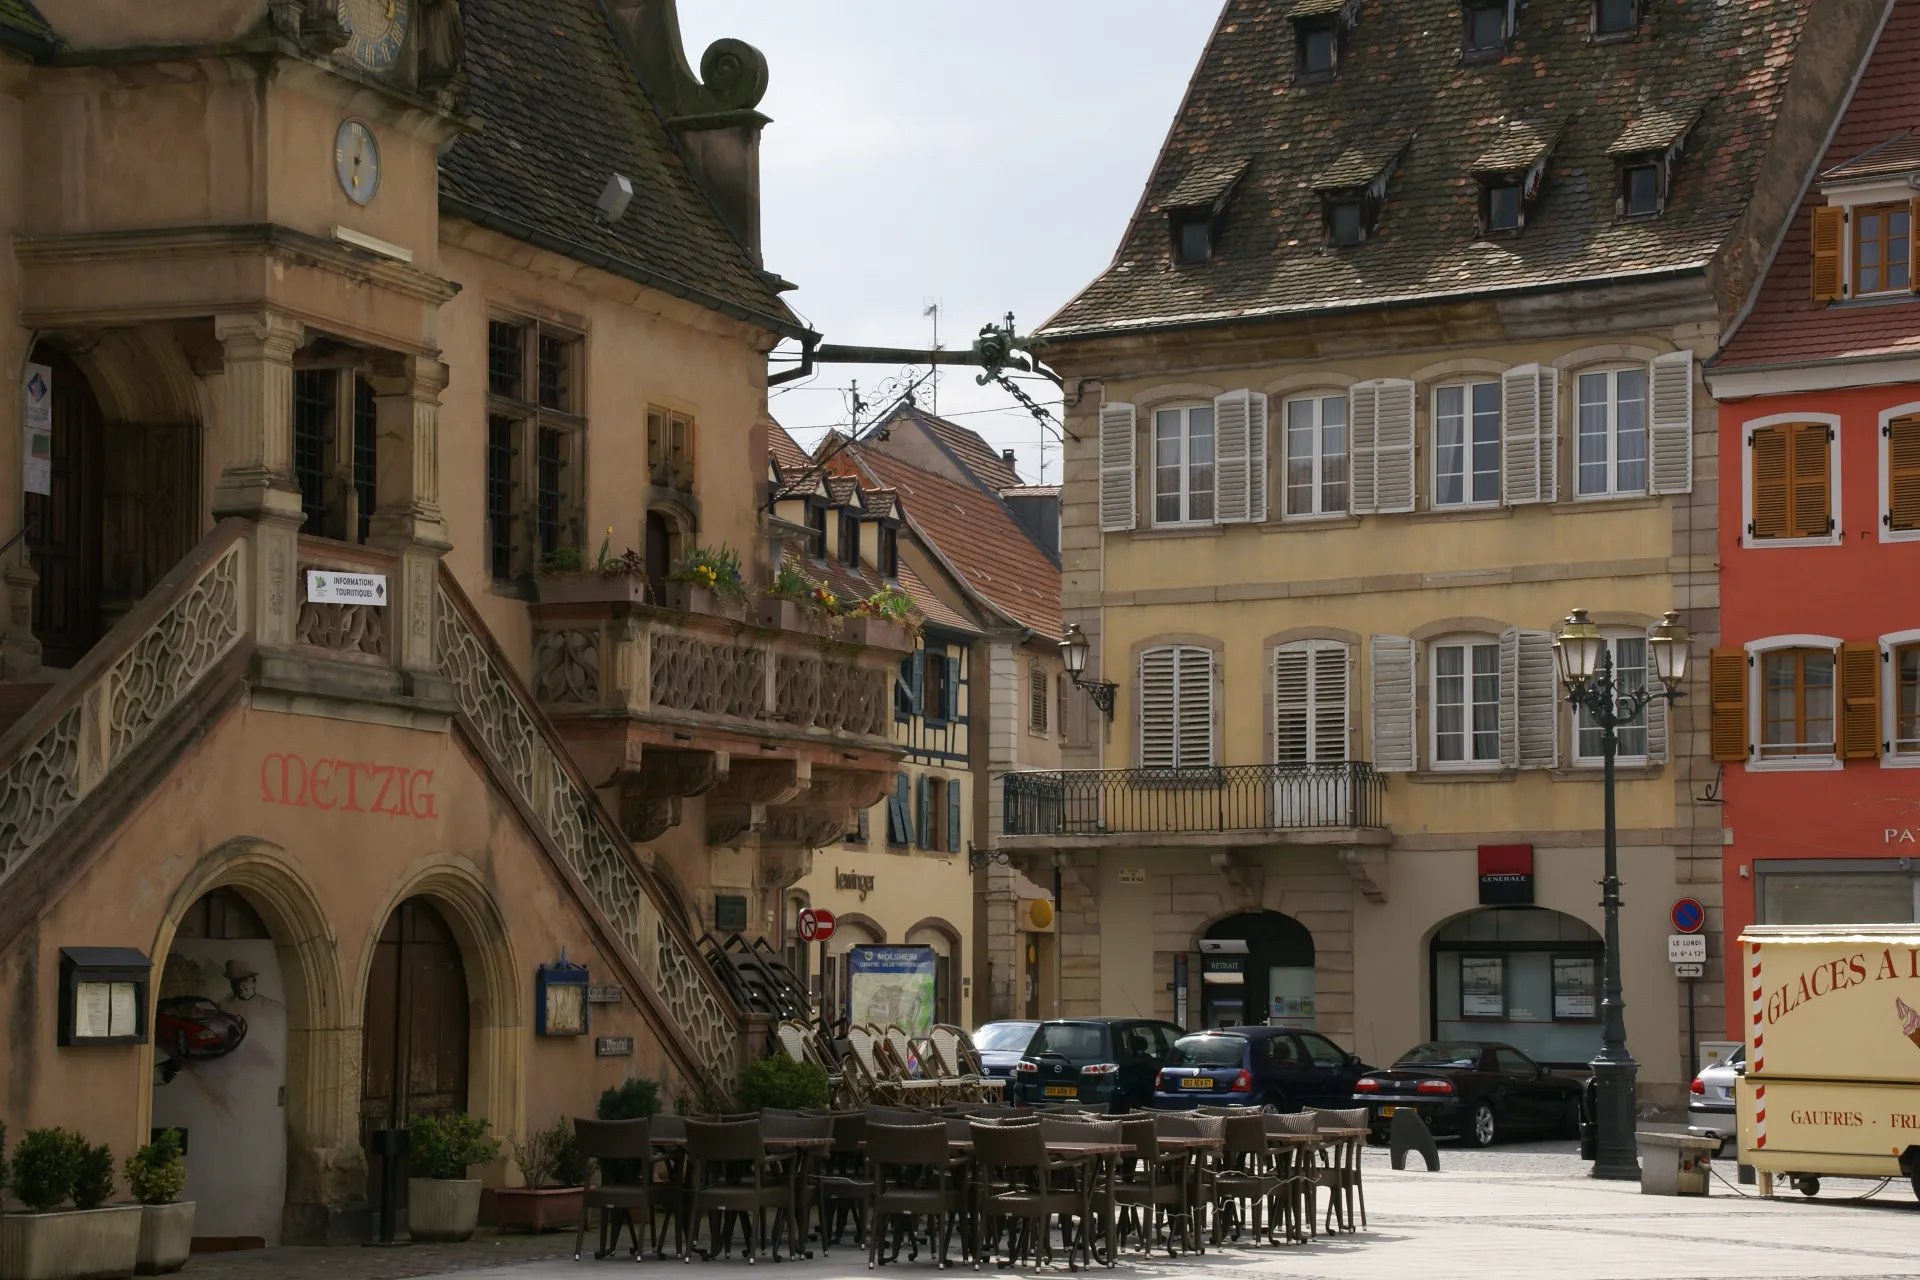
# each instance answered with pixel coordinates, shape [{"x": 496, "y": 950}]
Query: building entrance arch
[
  {"x": 1527, "y": 976},
  {"x": 1257, "y": 969}
]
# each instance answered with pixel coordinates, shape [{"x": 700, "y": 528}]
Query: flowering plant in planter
[
  {"x": 717, "y": 571},
  {"x": 822, "y": 601},
  {"x": 889, "y": 602},
  {"x": 789, "y": 584}
]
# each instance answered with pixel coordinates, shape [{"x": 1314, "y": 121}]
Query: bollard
[
  {"x": 391, "y": 1146},
  {"x": 1410, "y": 1133}
]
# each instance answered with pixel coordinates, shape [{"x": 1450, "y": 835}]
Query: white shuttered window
[
  {"x": 1117, "y": 426},
  {"x": 1316, "y": 456},
  {"x": 1466, "y": 445},
  {"x": 1310, "y": 702},
  {"x": 1465, "y": 692},
  {"x": 1183, "y": 464},
  {"x": 1240, "y": 431},
  {"x": 1629, "y": 653},
  {"x": 1176, "y": 707},
  {"x": 1390, "y": 660}
]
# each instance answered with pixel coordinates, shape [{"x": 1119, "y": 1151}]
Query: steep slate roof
[
  {"x": 562, "y": 112},
  {"x": 1786, "y": 326},
  {"x": 976, "y": 534},
  {"x": 1401, "y": 76}
]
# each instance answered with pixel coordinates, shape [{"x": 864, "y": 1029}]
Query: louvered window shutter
[
  {"x": 917, "y": 683},
  {"x": 1330, "y": 717},
  {"x": 1390, "y": 661},
  {"x": 1903, "y": 473},
  {"x": 1812, "y": 493},
  {"x": 1233, "y": 445},
  {"x": 950, "y": 690},
  {"x": 1363, "y": 422},
  {"x": 1292, "y": 704},
  {"x": 953, "y": 815},
  {"x": 1656, "y": 719},
  {"x": 1510, "y": 699},
  {"x": 1195, "y": 695},
  {"x": 1157, "y": 709},
  {"x": 1913, "y": 249},
  {"x": 1256, "y": 458},
  {"x": 1116, "y": 468},
  {"x": 1537, "y": 681},
  {"x": 1670, "y": 424},
  {"x": 1769, "y": 447},
  {"x": 1520, "y": 435},
  {"x": 1828, "y": 229},
  {"x": 898, "y": 822},
  {"x": 1727, "y": 689},
  {"x": 1393, "y": 446},
  {"x": 1859, "y": 701},
  {"x": 1548, "y": 393},
  {"x": 923, "y": 802}
]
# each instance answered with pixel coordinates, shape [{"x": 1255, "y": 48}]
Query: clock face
[
  {"x": 356, "y": 161},
  {"x": 379, "y": 31}
]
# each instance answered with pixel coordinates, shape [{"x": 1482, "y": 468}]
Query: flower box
[
  {"x": 876, "y": 632},
  {"x": 691, "y": 597},
  {"x": 592, "y": 588},
  {"x": 166, "y": 1238},
  {"x": 780, "y": 613},
  {"x": 443, "y": 1208},
  {"x": 538, "y": 1209},
  {"x": 79, "y": 1244}
]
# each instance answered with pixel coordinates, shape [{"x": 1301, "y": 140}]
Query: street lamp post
[{"x": 1586, "y": 666}]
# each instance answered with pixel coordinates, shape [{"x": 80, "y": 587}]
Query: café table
[
  {"x": 1302, "y": 1204},
  {"x": 1341, "y": 1149}
]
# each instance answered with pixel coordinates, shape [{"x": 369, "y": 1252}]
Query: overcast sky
[{"x": 987, "y": 155}]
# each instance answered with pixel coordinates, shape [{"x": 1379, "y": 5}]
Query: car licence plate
[
  {"x": 1062, "y": 1091},
  {"x": 1384, "y": 1112},
  {"x": 1196, "y": 1082}
]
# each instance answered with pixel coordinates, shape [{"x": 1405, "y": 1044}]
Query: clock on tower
[{"x": 378, "y": 32}]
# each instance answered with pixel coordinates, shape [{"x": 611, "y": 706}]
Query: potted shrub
[
  {"x": 443, "y": 1203},
  {"x": 782, "y": 1083},
  {"x": 565, "y": 576},
  {"x": 635, "y": 1098},
  {"x": 155, "y": 1174},
  {"x": 92, "y": 1240},
  {"x": 555, "y": 1175},
  {"x": 709, "y": 582}
]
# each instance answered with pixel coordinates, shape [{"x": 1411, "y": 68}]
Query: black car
[
  {"x": 1476, "y": 1090},
  {"x": 1000, "y": 1045},
  {"x": 1104, "y": 1062},
  {"x": 1274, "y": 1067}
]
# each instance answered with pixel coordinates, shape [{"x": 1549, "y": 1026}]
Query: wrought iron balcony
[{"x": 1172, "y": 802}]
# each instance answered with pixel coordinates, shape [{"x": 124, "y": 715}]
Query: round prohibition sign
[
  {"x": 814, "y": 924},
  {"x": 1688, "y": 916}
]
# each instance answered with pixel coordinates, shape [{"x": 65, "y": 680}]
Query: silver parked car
[{"x": 1710, "y": 1104}]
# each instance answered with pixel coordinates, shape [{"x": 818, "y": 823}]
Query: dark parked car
[
  {"x": 1001, "y": 1044},
  {"x": 1257, "y": 1066},
  {"x": 1475, "y": 1090},
  {"x": 1103, "y": 1062}
]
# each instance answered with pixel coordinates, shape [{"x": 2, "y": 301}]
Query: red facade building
[{"x": 1816, "y": 688}]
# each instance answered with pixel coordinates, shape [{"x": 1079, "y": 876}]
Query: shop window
[
  {"x": 536, "y": 445},
  {"x": 1524, "y": 976},
  {"x": 1845, "y": 891}
]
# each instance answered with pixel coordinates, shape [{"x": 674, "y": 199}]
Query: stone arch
[
  {"x": 496, "y": 1086},
  {"x": 956, "y": 956},
  {"x": 325, "y": 1165},
  {"x": 141, "y": 375}
]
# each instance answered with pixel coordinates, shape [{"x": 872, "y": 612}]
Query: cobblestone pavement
[{"x": 1520, "y": 1211}]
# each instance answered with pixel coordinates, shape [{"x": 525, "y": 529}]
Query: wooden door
[
  {"x": 65, "y": 540},
  {"x": 415, "y": 1046}
]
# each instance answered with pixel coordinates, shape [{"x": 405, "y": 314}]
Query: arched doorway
[
  {"x": 1257, "y": 970},
  {"x": 414, "y": 1033},
  {"x": 220, "y": 1067},
  {"x": 849, "y": 931},
  {"x": 1527, "y": 976},
  {"x": 944, "y": 940},
  {"x": 65, "y": 522}
]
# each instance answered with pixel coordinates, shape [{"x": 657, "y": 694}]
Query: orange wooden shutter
[
  {"x": 1827, "y": 232},
  {"x": 1771, "y": 517},
  {"x": 1859, "y": 701},
  {"x": 1812, "y": 510},
  {"x": 1903, "y": 473},
  {"x": 1727, "y": 688},
  {"x": 1913, "y": 245}
]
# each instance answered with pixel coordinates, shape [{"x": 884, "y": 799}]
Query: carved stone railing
[
  {"x": 505, "y": 718},
  {"x": 345, "y": 632},
  {"x": 130, "y": 682}
]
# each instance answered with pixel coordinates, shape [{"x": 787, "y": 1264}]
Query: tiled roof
[
  {"x": 20, "y": 19},
  {"x": 1895, "y": 155},
  {"x": 787, "y": 453},
  {"x": 562, "y": 112},
  {"x": 976, "y": 535},
  {"x": 1031, "y": 491},
  {"x": 1361, "y": 163},
  {"x": 1205, "y": 184},
  {"x": 851, "y": 584},
  {"x": 968, "y": 448},
  {"x": 1400, "y": 71},
  {"x": 1519, "y": 145},
  {"x": 1656, "y": 129},
  {"x": 1785, "y": 325}
]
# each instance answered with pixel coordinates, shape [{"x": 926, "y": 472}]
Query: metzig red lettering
[{"x": 397, "y": 791}]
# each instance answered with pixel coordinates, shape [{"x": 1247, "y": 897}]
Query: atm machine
[{"x": 1223, "y": 983}]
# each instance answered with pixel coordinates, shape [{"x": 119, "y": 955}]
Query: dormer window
[
  {"x": 1644, "y": 158},
  {"x": 887, "y": 555},
  {"x": 1510, "y": 174},
  {"x": 1196, "y": 206},
  {"x": 1319, "y": 34},
  {"x": 849, "y": 539},
  {"x": 1615, "y": 18},
  {"x": 1489, "y": 25},
  {"x": 1354, "y": 191},
  {"x": 817, "y": 530},
  {"x": 1864, "y": 237},
  {"x": 1502, "y": 206}
]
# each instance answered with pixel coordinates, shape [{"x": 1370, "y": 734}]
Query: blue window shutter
[
  {"x": 953, "y": 815},
  {"x": 950, "y": 694},
  {"x": 924, "y": 799},
  {"x": 897, "y": 823},
  {"x": 903, "y": 688},
  {"x": 917, "y": 683}
]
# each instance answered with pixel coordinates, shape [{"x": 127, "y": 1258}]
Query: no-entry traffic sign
[
  {"x": 815, "y": 924},
  {"x": 1688, "y": 915}
]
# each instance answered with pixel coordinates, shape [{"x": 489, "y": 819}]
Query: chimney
[
  {"x": 712, "y": 116},
  {"x": 1006, "y": 456}
]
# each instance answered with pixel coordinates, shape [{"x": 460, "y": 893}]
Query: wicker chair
[
  {"x": 1017, "y": 1179},
  {"x": 960, "y": 1059},
  {"x": 1339, "y": 1171}
]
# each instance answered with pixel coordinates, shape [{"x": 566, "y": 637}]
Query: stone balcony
[{"x": 783, "y": 727}]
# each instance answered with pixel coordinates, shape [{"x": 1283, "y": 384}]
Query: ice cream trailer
[{"x": 1832, "y": 1076}]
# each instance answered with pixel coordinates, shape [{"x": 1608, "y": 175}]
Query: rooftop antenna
[{"x": 931, "y": 307}]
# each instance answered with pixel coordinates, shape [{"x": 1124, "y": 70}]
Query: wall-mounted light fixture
[{"x": 1073, "y": 652}]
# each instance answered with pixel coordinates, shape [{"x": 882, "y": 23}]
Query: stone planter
[
  {"x": 538, "y": 1209},
  {"x": 780, "y": 613},
  {"x": 443, "y": 1208},
  {"x": 166, "y": 1238},
  {"x": 81, "y": 1244},
  {"x": 689, "y": 597},
  {"x": 878, "y": 633},
  {"x": 592, "y": 588}
]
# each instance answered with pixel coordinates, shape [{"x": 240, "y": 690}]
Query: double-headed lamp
[
  {"x": 1577, "y": 648},
  {"x": 1073, "y": 651},
  {"x": 1668, "y": 644}
]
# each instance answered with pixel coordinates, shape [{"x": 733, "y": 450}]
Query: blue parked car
[{"x": 1274, "y": 1067}]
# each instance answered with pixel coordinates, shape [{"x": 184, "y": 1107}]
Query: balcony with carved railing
[
  {"x": 1212, "y": 806},
  {"x": 784, "y": 725}
]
